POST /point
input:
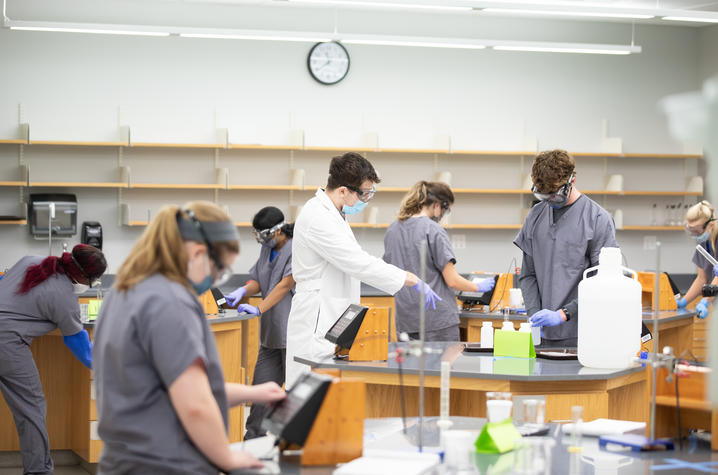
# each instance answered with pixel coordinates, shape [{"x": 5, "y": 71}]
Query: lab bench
[{"x": 604, "y": 393}]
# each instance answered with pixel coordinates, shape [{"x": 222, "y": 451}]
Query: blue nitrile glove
[
  {"x": 546, "y": 318},
  {"x": 245, "y": 307},
  {"x": 484, "y": 285},
  {"x": 234, "y": 298},
  {"x": 702, "y": 308},
  {"x": 715, "y": 271},
  {"x": 80, "y": 345},
  {"x": 681, "y": 302},
  {"x": 430, "y": 297}
]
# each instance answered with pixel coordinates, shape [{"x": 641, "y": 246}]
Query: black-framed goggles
[
  {"x": 221, "y": 231},
  {"x": 91, "y": 282},
  {"x": 265, "y": 235},
  {"x": 364, "y": 195},
  {"x": 559, "y": 196}
]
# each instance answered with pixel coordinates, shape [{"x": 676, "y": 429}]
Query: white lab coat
[{"x": 328, "y": 265}]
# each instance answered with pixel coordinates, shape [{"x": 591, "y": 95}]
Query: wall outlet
[{"x": 458, "y": 241}]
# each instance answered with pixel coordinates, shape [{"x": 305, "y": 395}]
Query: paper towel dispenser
[{"x": 52, "y": 209}]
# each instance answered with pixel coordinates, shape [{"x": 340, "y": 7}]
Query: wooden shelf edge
[
  {"x": 176, "y": 145},
  {"x": 243, "y": 224},
  {"x": 324, "y": 148},
  {"x": 13, "y": 183},
  {"x": 14, "y": 221},
  {"x": 73, "y": 143},
  {"x": 516, "y": 153},
  {"x": 136, "y": 223},
  {"x": 180, "y": 186},
  {"x": 238, "y": 146},
  {"x": 77, "y": 184},
  {"x": 686, "y": 403},
  {"x": 414, "y": 150},
  {"x": 13, "y": 141},
  {"x": 651, "y": 228},
  {"x": 266, "y": 187}
]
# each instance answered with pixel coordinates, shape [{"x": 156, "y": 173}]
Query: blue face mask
[
  {"x": 354, "y": 209},
  {"x": 203, "y": 286},
  {"x": 700, "y": 239}
]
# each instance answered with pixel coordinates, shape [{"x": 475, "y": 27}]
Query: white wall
[{"x": 81, "y": 87}]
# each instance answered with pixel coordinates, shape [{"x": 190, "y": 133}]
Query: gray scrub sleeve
[
  {"x": 529, "y": 286},
  {"x": 171, "y": 335},
  {"x": 702, "y": 263},
  {"x": 440, "y": 249},
  {"x": 60, "y": 305},
  {"x": 253, "y": 273}
]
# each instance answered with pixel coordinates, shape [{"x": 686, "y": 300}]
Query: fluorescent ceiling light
[
  {"x": 562, "y": 49},
  {"x": 254, "y": 37},
  {"x": 90, "y": 30},
  {"x": 593, "y": 14},
  {"x": 421, "y": 44},
  {"x": 409, "y": 6},
  {"x": 693, "y": 19}
]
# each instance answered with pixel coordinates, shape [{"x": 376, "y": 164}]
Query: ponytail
[
  {"x": 84, "y": 262},
  {"x": 424, "y": 193}
]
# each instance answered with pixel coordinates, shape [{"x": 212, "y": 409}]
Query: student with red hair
[{"x": 38, "y": 295}]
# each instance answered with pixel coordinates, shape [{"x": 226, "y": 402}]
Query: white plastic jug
[{"x": 609, "y": 307}]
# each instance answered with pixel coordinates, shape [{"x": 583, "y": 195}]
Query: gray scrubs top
[
  {"x": 273, "y": 323},
  {"x": 701, "y": 261},
  {"x": 560, "y": 252},
  {"x": 145, "y": 338},
  {"x": 402, "y": 248},
  {"x": 47, "y": 306}
]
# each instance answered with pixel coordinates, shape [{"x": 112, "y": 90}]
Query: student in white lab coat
[{"x": 328, "y": 263}]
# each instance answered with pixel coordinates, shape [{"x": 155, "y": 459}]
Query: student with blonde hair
[
  {"x": 701, "y": 225},
  {"x": 421, "y": 210},
  {"x": 162, "y": 400}
]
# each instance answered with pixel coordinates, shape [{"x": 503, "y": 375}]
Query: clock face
[{"x": 328, "y": 62}]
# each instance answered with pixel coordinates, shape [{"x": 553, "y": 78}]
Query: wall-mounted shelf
[
  {"x": 652, "y": 228},
  {"x": 267, "y": 187},
  {"x": 13, "y": 141},
  {"x": 55, "y": 184},
  {"x": 70, "y": 143},
  {"x": 13, "y": 183},
  {"x": 20, "y": 222},
  {"x": 181, "y": 186},
  {"x": 176, "y": 145}
]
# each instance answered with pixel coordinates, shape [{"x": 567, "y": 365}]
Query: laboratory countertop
[
  {"x": 386, "y": 435},
  {"x": 476, "y": 365},
  {"x": 648, "y": 315},
  {"x": 227, "y": 317}
]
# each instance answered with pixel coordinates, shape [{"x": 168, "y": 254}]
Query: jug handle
[
  {"x": 633, "y": 273},
  {"x": 590, "y": 269}
]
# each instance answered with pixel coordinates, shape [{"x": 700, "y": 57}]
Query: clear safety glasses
[
  {"x": 265, "y": 235},
  {"x": 364, "y": 195},
  {"x": 223, "y": 272},
  {"x": 558, "y": 196}
]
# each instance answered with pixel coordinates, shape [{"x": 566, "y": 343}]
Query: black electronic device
[
  {"x": 345, "y": 329},
  {"x": 478, "y": 298},
  {"x": 219, "y": 297},
  {"x": 709, "y": 290},
  {"x": 477, "y": 348},
  {"x": 91, "y": 234},
  {"x": 292, "y": 418},
  {"x": 58, "y": 209},
  {"x": 557, "y": 354}
]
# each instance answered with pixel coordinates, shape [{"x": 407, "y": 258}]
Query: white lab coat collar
[{"x": 324, "y": 199}]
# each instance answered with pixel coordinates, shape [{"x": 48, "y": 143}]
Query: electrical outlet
[
  {"x": 649, "y": 243},
  {"x": 458, "y": 241}
]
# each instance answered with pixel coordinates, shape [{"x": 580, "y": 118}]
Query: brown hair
[
  {"x": 703, "y": 212},
  {"x": 551, "y": 169},
  {"x": 424, "y": 193},
  {"x": 160, "y": 249},
  {"x": 350, "y": 169}
]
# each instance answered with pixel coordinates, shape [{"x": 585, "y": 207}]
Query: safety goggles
[
  {"x": 558, "y": 196},
  {"x": 265, "y": 235},
  {"x": 364, "y": 195},
  {"x": 698, "y": 230},
  {"x": 91, "y": 282},
  {"x": 223, "y": 272}
]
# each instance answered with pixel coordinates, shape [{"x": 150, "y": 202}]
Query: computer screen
[{"x": 346, "y": 327}]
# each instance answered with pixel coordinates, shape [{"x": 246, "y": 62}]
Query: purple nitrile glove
[
  {"x": 546, "y": 318},
  {"x": 702, "y": 308},
  {"x": 430, "y": 297},
  {"x": 715, "y": 270},
  {"x": 485, "y": 285},
  {"x": 234, "y": 298},
  {"x": 245, "y": 307}
]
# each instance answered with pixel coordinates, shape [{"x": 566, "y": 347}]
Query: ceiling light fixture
[
  {"x": 95, "y": 31},
  {"x": 387, "y": 5},
  {"x": 575, "y": 13},
  {"x": 705, "y": 19},
  {"x": 545, "y": 49},
  {"x": 420, "y": 44},
  {"x": 214, "y": 36}
]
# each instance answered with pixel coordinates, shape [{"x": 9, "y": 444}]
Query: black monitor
[
  {"x": 292, "y": 418},
  {"x": 345, "y": 329},
  {"x": 478, "y": 298}
]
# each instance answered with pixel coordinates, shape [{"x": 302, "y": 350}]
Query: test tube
[{"x": 576, "y": 442}]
